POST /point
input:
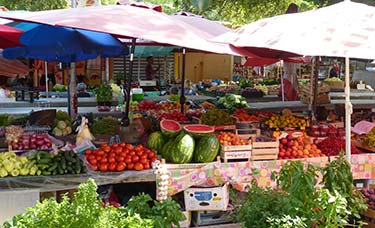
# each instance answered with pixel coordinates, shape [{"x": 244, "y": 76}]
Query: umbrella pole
[
  {"x": 182, "y": 98},
  {"x": 46, "y": 72},
  {"x": 282, "y": 82},
  {"x": 125, "y": 121},
  {"x": 107, "y": 69},
  {"x": 348, "y": 110},
  {"x": 72, "y": 90}
]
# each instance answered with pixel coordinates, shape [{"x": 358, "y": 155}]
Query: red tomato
[
  {"x": 120, "y": 158},
  {"x": 120, "y": 166},
  {"x": 111, "y": 155},
  {"x": 139, "y": 153},
  {"x": 98, "y": 158},
  {"x": 153, "y": 159},
  {"x": 135, "y": 158},
  {"x": 129, "y": 146},
  {"x": 91, "y": 157},
  {"x": 125, "y": 150},
  {"x": 112, "y": 166},
  {"x": 88, "y": 152},
  {"x": 103, "y": 160},
  {"x": 93, "y": 161},
  {"x": 144, "y": 156},
  {"x": 100, "y": 152},
  {"x": 139, "y": 146},
  {"x": 129, "y": 166},
  {"x": 122, "y": 154},
  {"x": 144, "y": 161},
  {"x": 114, "y": 145},
  {"x": 107, "y": 149},
  {"x": 111, "y": 160},
  {"x": 151, "y": 155},
  {"x": 122, "y": 144},
  {"x": 94, "y": 167},
  {"x": 128, "y": 160},
  {"x": 104, "y": 145},
  {"x": 146, "y": 166},
  {"x": 103, "y": 167},
  {"x": 132, "y": 153},
  {"x": 118, "y": 150},
  {"x": 138, "y": 166}
]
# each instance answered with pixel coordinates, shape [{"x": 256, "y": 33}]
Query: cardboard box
[
  {"x": 203, "y": 199},
  {"x": 203, "y": 218}
]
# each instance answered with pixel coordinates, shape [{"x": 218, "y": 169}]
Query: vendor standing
[{"x": 150, "y": 71}]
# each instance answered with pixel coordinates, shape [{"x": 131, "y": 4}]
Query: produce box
[
  {"x": 335, "y": 85},
  {"x": 247, "y": 124},
  {"x": 235, "y": 152},
  {"x": 267, "y": 149},
  {"x": 248, "y": 133},
  {"x": 369, "y": 217},
  {"x": 203, "y": 199},
  {"x": 204, "y": 218},
  {"x": 224, "y": 128}
]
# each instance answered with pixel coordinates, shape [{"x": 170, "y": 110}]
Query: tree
[{"x": 34, "y": 5}]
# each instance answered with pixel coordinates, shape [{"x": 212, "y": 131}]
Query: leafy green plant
[
  {"x": 6, "y": 120},
  {"x": 286, "y": 221},
  {"x": 103, "y": 93},
  {"x": 163, "y": 214},
  {"x": 105, "y": 126}
]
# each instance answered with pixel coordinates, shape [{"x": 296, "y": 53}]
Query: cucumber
[
  {"x": 31, "y": 164},
  {"x": 52, "y": 167},
  {"x": 32, "y": 157},
  {"x": 78, "y": 168},
  {"x": 45, "y": 155},
  {"x": 43, "y": 166},
  {"x": 63, "y": 163},
  {"x": 46, "y": 173},
  {"x": 60, "y": 170},
  {"x": 44, "y": 161},
  {"x": 54, "y": 172},
  {"x": 39, "y": 172}
]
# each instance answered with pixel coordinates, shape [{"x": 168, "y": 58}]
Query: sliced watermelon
[
  {"x": 170, "y": 128},
  {"x": 199, "y": 130}
]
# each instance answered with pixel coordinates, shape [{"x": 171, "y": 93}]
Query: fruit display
[
  {"x": 278, "y": 121},
  {"x": 13, "y": 165},
  {"x": 369, "y": 139},
  {"x": 262, "y": 88},
  {"x": 207, "y": 105},
  {"x": 34, "y": 141},
  {"x": 334, "y": 145},
  {"x": 325, "y": 130},
  {"x": 147, "y": 105},
  {"x": 173, "y": 115},
  {"x": 199, "y": 130},
  {"x": 370, "y": 197},
  {"x": 170, "y": 128},
  {"x": 243, "y": 116},
  {"x": 168, "y": 106},
  {"x": 120, "y": 157},
  {"x": 216, "y": 117},
  {"x": 333, "y": 79},
  {"x": 231, "y": 139},
  {"x": 262, "y": 115},
  {"x": 64, "y": 162},
  {"x": 182, "y": 149},
  {"x": 156, "y": 141},
  {"x": 206, "y": 149},
  {"x": 62, "y": 124},
  {"x": 231, "y": 102},
  {"x": 299, "y": 147}
]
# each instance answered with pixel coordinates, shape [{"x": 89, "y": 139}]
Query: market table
[{"x": 66, "y": 182}]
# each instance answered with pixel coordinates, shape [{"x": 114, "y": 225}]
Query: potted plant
[{"x": 104, "y": 97}]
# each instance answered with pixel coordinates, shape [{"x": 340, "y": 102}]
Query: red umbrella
[{"x": 9, "y": 37}]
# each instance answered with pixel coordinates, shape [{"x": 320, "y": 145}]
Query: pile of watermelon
[{"x": 181, "y": 145}]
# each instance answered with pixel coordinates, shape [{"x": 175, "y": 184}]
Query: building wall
[{"x": 202, "y": 66}]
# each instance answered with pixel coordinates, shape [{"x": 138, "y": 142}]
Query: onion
[
  {"x": 33, "y": 140},
  {"x": 26, "y": 147},
  {"x": 25, "y": 141},
  {"x": 20, "y": 147},
  {"x": 44, "y": 147},
  {"x": 33, "y": 136},
  {"x": 39, "y": 137},
  {"x": 33, "y": 146},
  {"x": 47, "y": 140},
  {"x": 39, "y": 142}
]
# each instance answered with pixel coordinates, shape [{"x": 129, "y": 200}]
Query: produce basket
[
  {"x": 335, "y": 85},
  {"x": 266, "y": 149}
]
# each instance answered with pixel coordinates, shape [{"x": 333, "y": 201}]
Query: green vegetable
[
  {"x": 103, "y": 93},
  {"x": 105, "y": 126}
]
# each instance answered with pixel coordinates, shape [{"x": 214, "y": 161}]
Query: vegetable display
[
  {"x": 105, "y": 126},
  {"x": 278, "y": 121},
  {"x": 369, "y": 139},
  {"x": 62, "y": 124},
  {"x": 334, "y": 145},
  {"x": 118, "y": 157},
  {"x": 156, "y": 141},
  {"x": 182, "y": 149},
  {"x": 206, "y": 149},
  {"x": 64, "y": 162},
  {"x": 242, "y": 115},
  {"x": 216, "y": 117},
  {"x": 170, "y": 128},
  {"x": 173, "y": 115},
  {"x": 13, "y": 165},
  {"x": 231, "y": 102},
  {"x": 199, "y": 130},
  {"x": 34, "y": 141},
  {"x": 370, "y": 197}
]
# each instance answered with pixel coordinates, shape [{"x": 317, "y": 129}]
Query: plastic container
[{"x": 137, "y": 94}]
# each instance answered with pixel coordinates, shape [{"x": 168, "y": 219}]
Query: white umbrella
[{"x": 346, "y": 29}]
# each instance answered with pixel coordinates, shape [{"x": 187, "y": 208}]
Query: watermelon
[
  {"x": 156, "y": 141},
  {"x": 199, "y": 130},
  {"x": 170, "y": 128},
  {"x": 182, "y": 149},
  {"x": 207, "y": 149},
  {"x": 166, "y": 150}
]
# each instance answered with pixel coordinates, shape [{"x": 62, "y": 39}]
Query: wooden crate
[
  {"x": 266, "y": 150},
  {"x": 235, "y": 152},
  {"x": 369, "y": 217},
  {"x": 251, "y": 133}
]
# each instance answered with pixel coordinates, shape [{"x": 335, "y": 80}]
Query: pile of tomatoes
[{"x": 120, "y": 157}]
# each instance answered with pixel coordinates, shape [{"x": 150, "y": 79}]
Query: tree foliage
[{"x": 34, "y": 5}]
